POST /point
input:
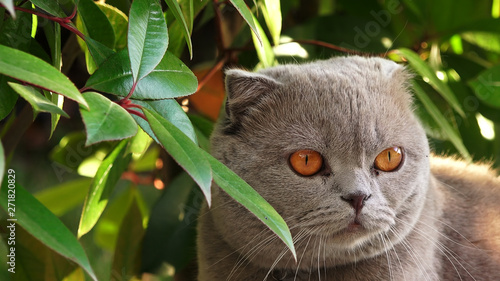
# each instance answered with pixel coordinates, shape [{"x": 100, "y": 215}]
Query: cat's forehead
[{"x": 340, "y": 102}]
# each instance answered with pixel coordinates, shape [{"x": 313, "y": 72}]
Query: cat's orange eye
[
  {"x": 306, "y": 162},
  {"x": 389, "y": 160}
]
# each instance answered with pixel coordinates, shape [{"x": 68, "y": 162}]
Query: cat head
[{"x": 333, "y": 146}]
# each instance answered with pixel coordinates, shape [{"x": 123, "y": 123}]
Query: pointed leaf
[
  {"x": 37, "y": 100},
  {"x": 242, "y": 8},
  {"x": 170, "y": 110},
  {"x": 98, "y": 51},
  {"x": 187, "y": 154},
  {"x": 28, "y": 68},
  {"x": 264, "y": 50},
  {"x": 170, "y": 79},
  {"x": 45, "y": 226},
  {"x": 176, "y": 10},
  {"x": 426, "y": 71},
  {"x": 126, "y": 258},
  {"x": 106, "y": 120},
  {"x": 107, "y": 176},
  {"x": 9, "y": 5},
  {"x": 237, "y": 188},
  {"x": 147, "y": 37},
  {"x": 119, "y": 22},
  {"x": 95, "y": 23},
  {"x": 487, "y": 86},
  {"x": 272, "y": 15},
  {"x": 452, "y": 134}
]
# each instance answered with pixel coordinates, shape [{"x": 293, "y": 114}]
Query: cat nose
[{"x": 356, "y": 200}]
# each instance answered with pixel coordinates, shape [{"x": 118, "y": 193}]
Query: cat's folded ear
[{"x": 245, "y": 89}]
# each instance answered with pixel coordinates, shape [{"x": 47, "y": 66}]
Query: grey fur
[{"x": 417, "y": 224}]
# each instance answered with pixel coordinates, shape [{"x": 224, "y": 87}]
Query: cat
[{"x": 335, "y": 148}]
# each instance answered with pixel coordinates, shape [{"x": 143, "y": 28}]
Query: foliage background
[{"x": 148, "y": 223}]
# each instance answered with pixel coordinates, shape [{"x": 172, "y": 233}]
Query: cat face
[{"x": 334, "y": 147}]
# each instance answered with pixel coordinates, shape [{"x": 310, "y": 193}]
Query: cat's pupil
[{"x": 307, "y": 159}]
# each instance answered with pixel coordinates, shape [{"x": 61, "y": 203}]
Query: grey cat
[{"x": 335, "y": 148}]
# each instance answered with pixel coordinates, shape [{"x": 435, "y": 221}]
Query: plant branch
[
  {"x": 64, "y": 22},
  {"x": 335, "y": 47},
  {"x": 211, "y": 73}
]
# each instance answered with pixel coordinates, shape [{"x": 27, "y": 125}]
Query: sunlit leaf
[
  {"x": 487, "y": 86},
  {"x": 452, "y": 134},
  {"x": 170, "y": 79},
  {"x": 176, "y": 10},
  {"x": 426, "y": 71},
  {"x": 37, "y": 100},
  {"x": 272, "y": 15},
  {"x": 170, "y": 110},
  {"x": 107, "y": 176},
  {"x": 237, "y": 188},
  {"x": 147, "y": 37},
  {"x": 45, "y": 226},
  {"x": 263, "y": 47},
  {"x": 185, "y": 152},
  {"x": 73, "y": 192},
  {"x": 242, "y": 8},
  {"x": 106, "y": 120},
  {"x": 28, "y": 68},
  {"x": 119, "y": 22}
]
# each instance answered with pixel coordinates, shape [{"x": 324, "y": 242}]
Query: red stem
[
  {"x": 212, "y": 71},
  {"x": 64, "y": 22},
  {"x": 137, "y": 113}
]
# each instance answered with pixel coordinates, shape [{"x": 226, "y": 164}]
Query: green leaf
[
  {"x": 107, "y": 228},
  {"x": 243, "y": 193},
  {"x": 147, "y": 37},
  {"x": 28, "y": 68},
  {"x": 487, "y": 86},
  {"x": 73, "y": 192},
  {"x": 272, "y": 15},
  {"x": 51, "y": 7},
  {"x": 95, "y": 23},
  {"x": 426, "y": 71},
  {"x": 170, "y": 110},
  {"x": 106, "y": 120},
  {"x": 452, "y": 134},
  {"x": 176, "y": 44},
  {"x": 187, "y": 154},
  {"x": 264, "y": 50},
  {"x": 486, "y": 40},
  {"x": 9, "y": 5},
  {"x": 159, "y": 244},
  {"x": 242, "y": 8},
  {"x": 45, "y": 226},
  {"x": 107, "y": 176},
  {"x": 9, "y": 97},
  {"x": 98, "y": 51},
  {"x": 37, "y": 100},
  {"x": 170, "y": 79},
  {"x": 176, "y": 10},
  {"x": 127, "y": 251},
  {"x": 119, "y": 22}
]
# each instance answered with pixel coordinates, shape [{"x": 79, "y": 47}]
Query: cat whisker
[{"x": 444, "y": 250}]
